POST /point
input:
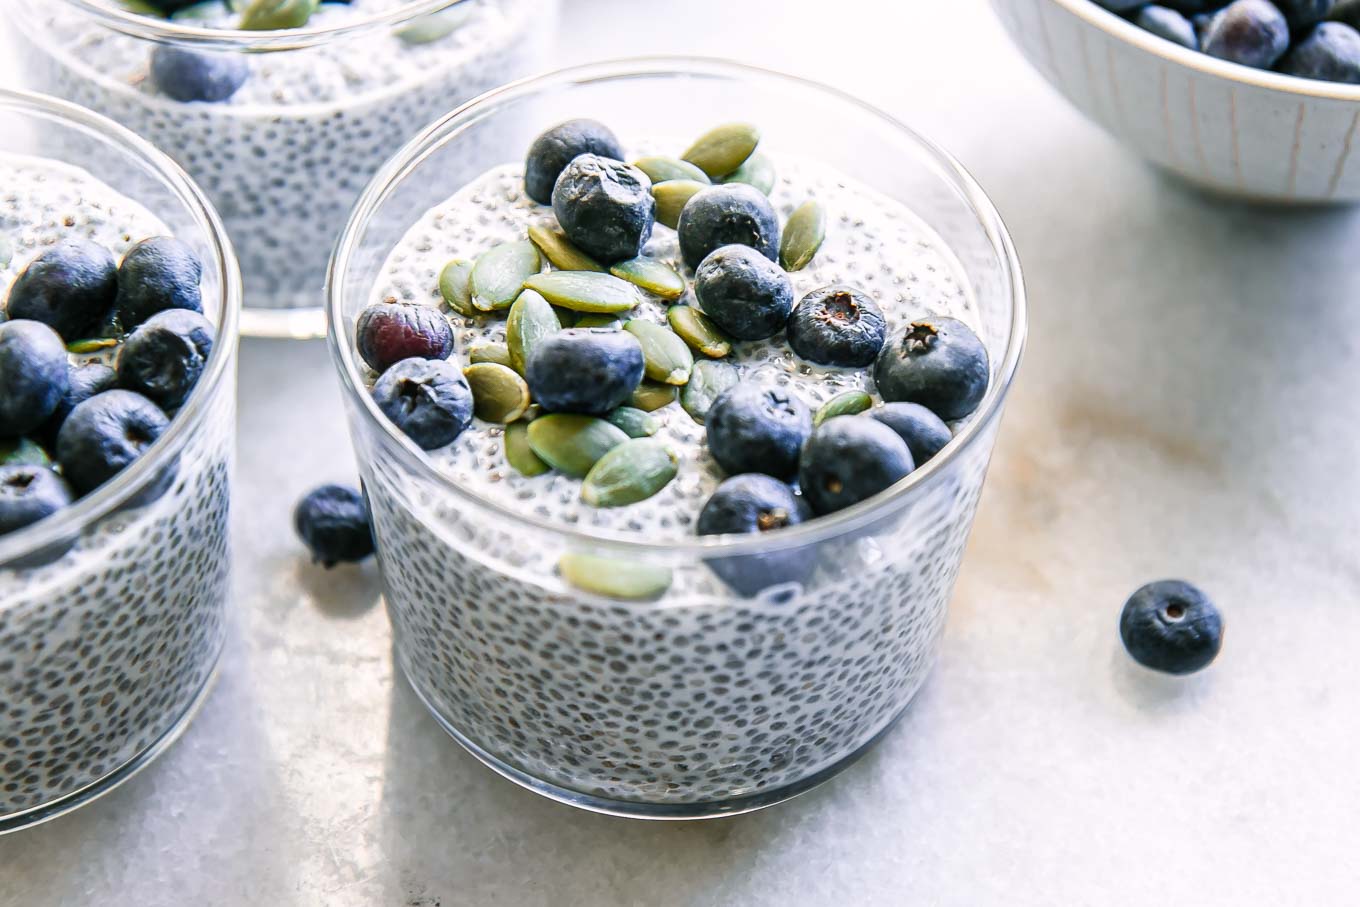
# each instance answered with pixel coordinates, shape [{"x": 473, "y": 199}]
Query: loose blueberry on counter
[
  {"x": 106, "y": 434},
  {"x": 1250, "y": 32},
  {"x": 837, "y": 326},
  {"x": 552, "y": 151},
  {"x": 733, "y": 213},
  {"x": 33, "y": 376},
  {"x": 70, "y": 288},
  {"x": 605, "y": 207},
  {"x": 163, "y": 359},
  {"x": 388, "y": 332},
  {"x": 28, "y": 494},
  {"x": 1168, "y": 24},
  {"x": 1331, "y": 52},
  {"x": 157, "y": 274},
  {"x": 745, "y": 293},
  {"x": 926, "y": 434},
  {"x": 748, "y": 504},
  {"x": 333, "y": 522},
  {"x": 851, "y": 459},
  {"x": 427, "y": 399},
  {"x": 196, "y": 75},
  {"x": 584, "y": 370},
  {"x": 1171, "y": 626},
  {"x": 937, "y": 362},
  {"x": 83, "y": 382},
  {"x": 751, "y": 428}
]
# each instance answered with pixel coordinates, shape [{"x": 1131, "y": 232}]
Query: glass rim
[
  {"x": 72, "y": 520},
  {"x": 447, "y": 128}
]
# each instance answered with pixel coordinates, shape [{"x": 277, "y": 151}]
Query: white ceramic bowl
[{"x": 1234, "y": 129}]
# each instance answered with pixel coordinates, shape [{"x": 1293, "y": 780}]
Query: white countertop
[{"x": 1189, "y": 406}]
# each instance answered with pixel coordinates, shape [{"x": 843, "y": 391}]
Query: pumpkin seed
[
  {"x": 210, "y": 9},
  {"x": 270, "y": 15},
  {"x": 699, "y": 331},
  {"x": 707, "y": 382},
  {"x": 498, "y": 353},
  {"x": 430, "y": 28},
  {"x": 613, "y": 578},
  {"x": 455, "y": 287},
  {"x": 723, "y": 149},
  {"x": 530, "y": 321},
  {"x": 649, "y": 396},
  {"x": 849, "y": 403},
  {"x": 585, "y": 291},
  {"x": 671, "y": 198},
  {"x": 500, "y": 274},
  {"x": 566, "y": 318},
  {"x": 598, "y": 320},
  {"x": 803, "y": 235},
  {"x": 665, "y": 356},
  {"x": 653, "y": 275},
  {"x": 631, "y": 472},
  {"x": 634, "y": 422},
  {"x": 571, "y": 443},
  {"x": 518, "y": 453},
  {"x": 22, "y": 452},
  {"x": 559, "y": 250},
  {"x": 499, "y": 394},
  {"x": 91, "y": 345},
  {"x": 757, "y": 170},
  {"x": 661, "y": 169}
]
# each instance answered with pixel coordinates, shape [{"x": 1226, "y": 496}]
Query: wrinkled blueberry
[
  {"x": 333, "y": 522},
  {"x": 751, "y": 428},
  {"x": 756, "y": 503},
  {"x": 552, "y": 151},
  {"x": 106, "y": 434},
  {"x": 157, "y": 274},
  {"x": 163, "y": 359},
  {"x": 1171, "y": 626},
  {"x": 925, "y": 433},
  {"x": 1301, "y": 14},
  {"x": 584, "y": 370},
  {"x": 1168, "y": 24},
  {"x": 1250, "y": 32},
  {"x": 733, "y": 213},
  {"x": 83, "y": 382},
  {"x": 937, "y": 362},
  {"x": 428, "y": 399},
  {"x": 70, "y": 288},
  {"x": 748, "y": 295},
  {"x": 196, "y": 75},
  {"x": 837, "y": 326},
  {"x": 28, "y": 494},
  {"x": 850, "y": 459},
  {"x": 389, "y": 332},
  {"x": 33, "y": 376},
  {"x": 1331, "y": 52},
  {"x": 605, "y": 207}
]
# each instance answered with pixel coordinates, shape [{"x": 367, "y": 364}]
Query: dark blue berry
[
  {"x": 196, "y": 75},
  {"x": 748, "y": 504},
  {"x": 1171, "y": 626},
  {"x": 1250, "y": 32},
  {"x": 751, "y": 428},
  {"x": 584, "y": 370},
  {"x": 937, "y": 362},
  {"x": 170, "y": 7},
  {"x": 1191, "y": 7},
  {"x": 552, "y": 151},
  {"x": 1121, "y": 6},
  {"x": 1302, "y": 14},
  {"x": 157, "y": 274},
  {"x": 28, "y": 494},
  {"x": 83, "y": 382},
  {"x": 925, "y": 433},
  {"x": 733, "y": 213},
  {"x": 1168, "y": 24},
  {"x": 605, "y": 207},
  {"x": 748, "y": 295},
  {"x": 70, "y": 288},
  {"x": 851, "y": 459},
  {"x": 428, "y": 399},
  {"x": 333, "y": 522},
  {"x": 388, "y": 332},
  {"x": 1331, "y": 52},
  {"x": 33, "y": 376},
  {"x": 837, "y": 326},
  {"x": 106, "y": 434},
  {"x": 164, "y": 358}
]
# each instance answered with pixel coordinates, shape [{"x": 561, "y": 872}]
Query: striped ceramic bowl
[{"x": 1237, "y": 130}]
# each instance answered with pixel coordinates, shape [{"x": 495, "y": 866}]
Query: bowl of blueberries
[{"x": 1258, "y": 99}]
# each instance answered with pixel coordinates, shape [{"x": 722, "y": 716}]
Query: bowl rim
[{"x": 447, "y": 129}]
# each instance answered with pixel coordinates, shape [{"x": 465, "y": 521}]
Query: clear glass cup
[
  {"x": 113, "y": 611},
  {"x": 701, "y": 702},
  {"x": 322, "y": 108}
]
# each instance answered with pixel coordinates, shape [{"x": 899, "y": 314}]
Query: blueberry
[
  {"x": 428, "y": 399},
  {"x": 157, "y": 274},
  {"x": 552, "y": 151},
  {"x": 33, "y": 376},
  {"x": 170, "y": 7},
  {"x": 837, "y": 326},
  {"x": 851, "y": 459},
  {"x": 733, "y": 213},
  {"x": 605, "y": 207},
  {"x": 1168, "y": 24},
  {"x": 1191, "y": 7},
  {"x": 925, "y": 433},
  {"x": 28, "y": 494},
  {"x": 756, "y": 503},
  {"x": 584, "y": 370},
  {"x": 748, "y": 296},
  {"x": 1171, "y": 626},
  {"x": 389, "y": 332},
  {"x": 1348, "y": 12},
  {"x": 163, "y": 359},
  {"x": 83, "y": 382},
  {"x": 1250, "y": 32},
  {"x": 1331, "y": 52},
  {"x": 104, "y": 435},
  {"x": 70, "y": 288},
  {"x": 333, "y": 522},
  {"x": 195, "y": 75},
  {"x": 758, "y": 429},
  {"x": 1121, "y": 6},
  {"x": 1301, "y": 14},
  {"x": 937, "y": 362}
]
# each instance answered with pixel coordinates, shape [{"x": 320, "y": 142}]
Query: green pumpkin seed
[
  {"x": 710, "y": 378},
  {"x": 498, "y": 353},
  {"x": 518, "y": 453},
  {"x": 572, "y": 444},
  {"x": 598, "y": 320},
  {"x": 631, "y": 472},
  {"x": 634, "y": 422},
  {"x": 757, "y": 171},
  {"x": 664, "y": 355},
  {"x": 91, "y": 345},
  {"x": 671, "y": 198},
  {"x": 559, "y": 250},
  {"x": 455, "y": 286},
  {"x": 613, "y": 578},
  {"x": 22, "y": 452},
  {"x": 699, "y": 331},
  {"x": 566, "y": 318},
  {"x": 803, "y": 235},
  {"x": 207, "y": 10},
  {"x": 585, "y": 291},
  {"x": 530, "y": 322},
  {"x": 850, "y": 403},
  {"x": 430, "y": 28},
  {"x": 661, "y": 169},
  {"x": 723, "y": 149},
  {"x": 653, "y": 275},
  {"x": 499, "y": 394},
  {"x": 499, "y": 275},
  {"x": 270, "y": 15},
  {"x": 142, "y": 8},
  {"x": 649, "y": 396}
]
